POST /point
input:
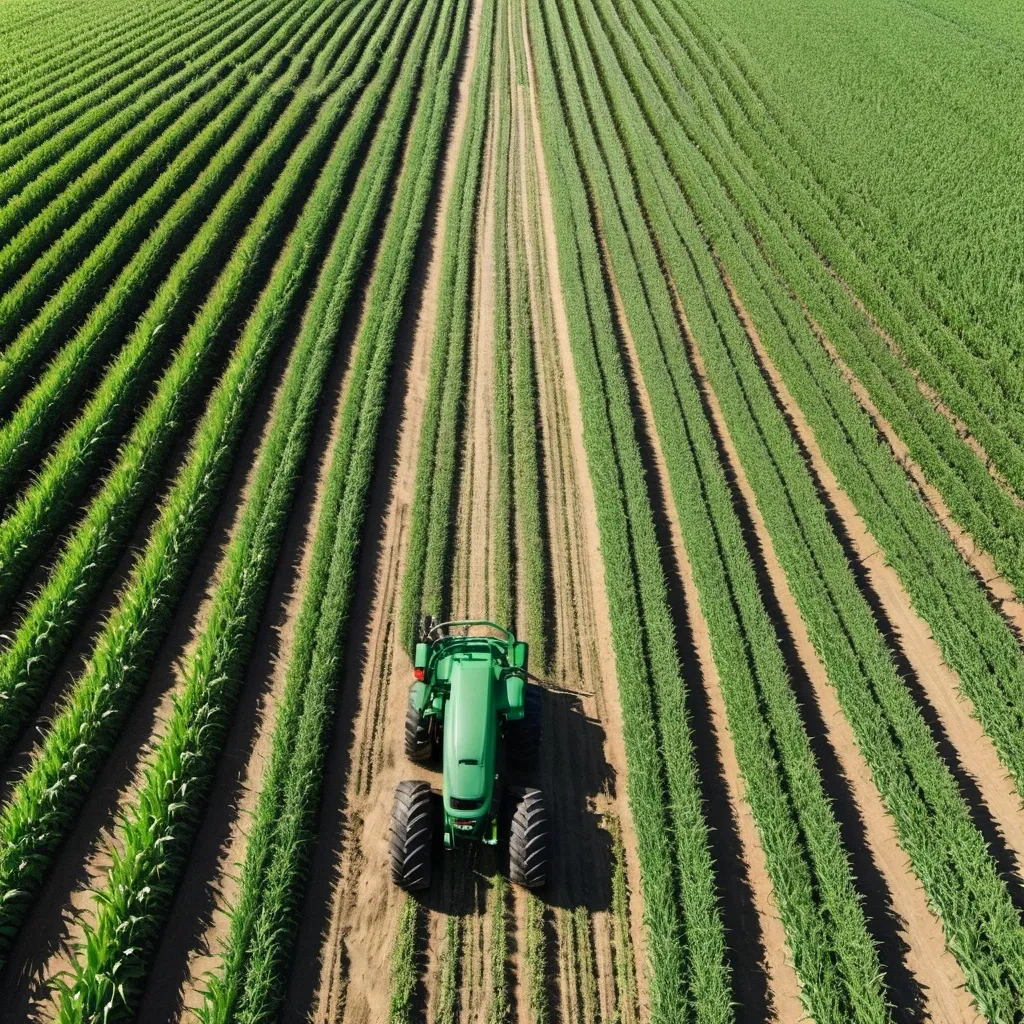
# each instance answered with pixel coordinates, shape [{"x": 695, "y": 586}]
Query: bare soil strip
[
  {"x": 584, "y": 767},
  {"x": 472, "y": 595},
  {"x": 938, "y": 976}
]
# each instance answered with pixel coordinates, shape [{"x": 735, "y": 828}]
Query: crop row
[
  {"x": 689, "y": 975},
  {"x": 69, "y": 83},
  {"x": 974, "y": 639},
  {"x": 502, "y": 582},
  {"x": 527, "y": 494},
  {"x": 773, "y": 159},
  {"x": 94, "y": 549},
  {"x": 36, "y": 163},
  {"x": 956, "y": 319},
  {"x": 201, "y": 225},
  {"x": 44, "y": 803},
  {"x": 71, "y": 42},
  {"x": 948, "y": 853},
  {"x": 153, "y": 841},
  {"x": 248, "y": 985},
  {"x": 817, "y": 898},
  {"x": 185, "y": 247},
  {"x": 61, "y": 234}
]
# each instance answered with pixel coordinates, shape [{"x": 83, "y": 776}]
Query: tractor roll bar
[{"x": 469, "y": 622}]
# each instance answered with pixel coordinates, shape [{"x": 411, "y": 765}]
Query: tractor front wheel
[
  {"x": 412, "y": 835},
  {"x": 529, "y": 840},
  {"x": 419, "y": 737}
]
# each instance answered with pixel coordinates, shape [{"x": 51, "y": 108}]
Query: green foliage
[
  {"x": 948, "y": 854},
  {"x": 536, "y": 961},
  {"x": 97, "y": 544},
  {"x": 249, "y": 983},
  {"x": 152, "y": 845},
  {"x": 44, "y": 804},
  {"x": 686, "y": 940},
  {"x": 500, "y": 1008},
  {"x": 404, "y": 974}
]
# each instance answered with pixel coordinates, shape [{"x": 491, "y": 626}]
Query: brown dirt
[{"x": 935, "y": 969}]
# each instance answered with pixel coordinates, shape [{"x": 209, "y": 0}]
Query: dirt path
[{"x": 933, "y": 970}]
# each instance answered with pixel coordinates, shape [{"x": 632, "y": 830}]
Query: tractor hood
[{"x": 469, "y": 737}]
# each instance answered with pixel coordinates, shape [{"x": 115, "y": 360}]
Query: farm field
[{"x": 683, "y": 338}]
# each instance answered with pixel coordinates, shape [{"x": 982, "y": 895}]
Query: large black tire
[
  {"x": 522, "y": 738},
  {"x": 412, "y": 835},
  {"x": 529, "y": 839},
  {"x": 419, "y": 739}
]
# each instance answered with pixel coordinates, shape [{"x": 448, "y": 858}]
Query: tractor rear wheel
[
  {"x": 522, "y": 738},
  {"x": 412, "y": 835},
  {"x": 419, "y": 738},
  {"x": 529, "y": 840}
]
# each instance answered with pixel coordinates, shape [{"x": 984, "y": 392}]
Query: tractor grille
[{"x": 465, "y": 805}]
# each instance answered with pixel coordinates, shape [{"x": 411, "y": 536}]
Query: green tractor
[{"x": 472, "y": 705}]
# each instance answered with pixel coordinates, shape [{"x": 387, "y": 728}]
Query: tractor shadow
[{"x": 574, "y": 777}]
